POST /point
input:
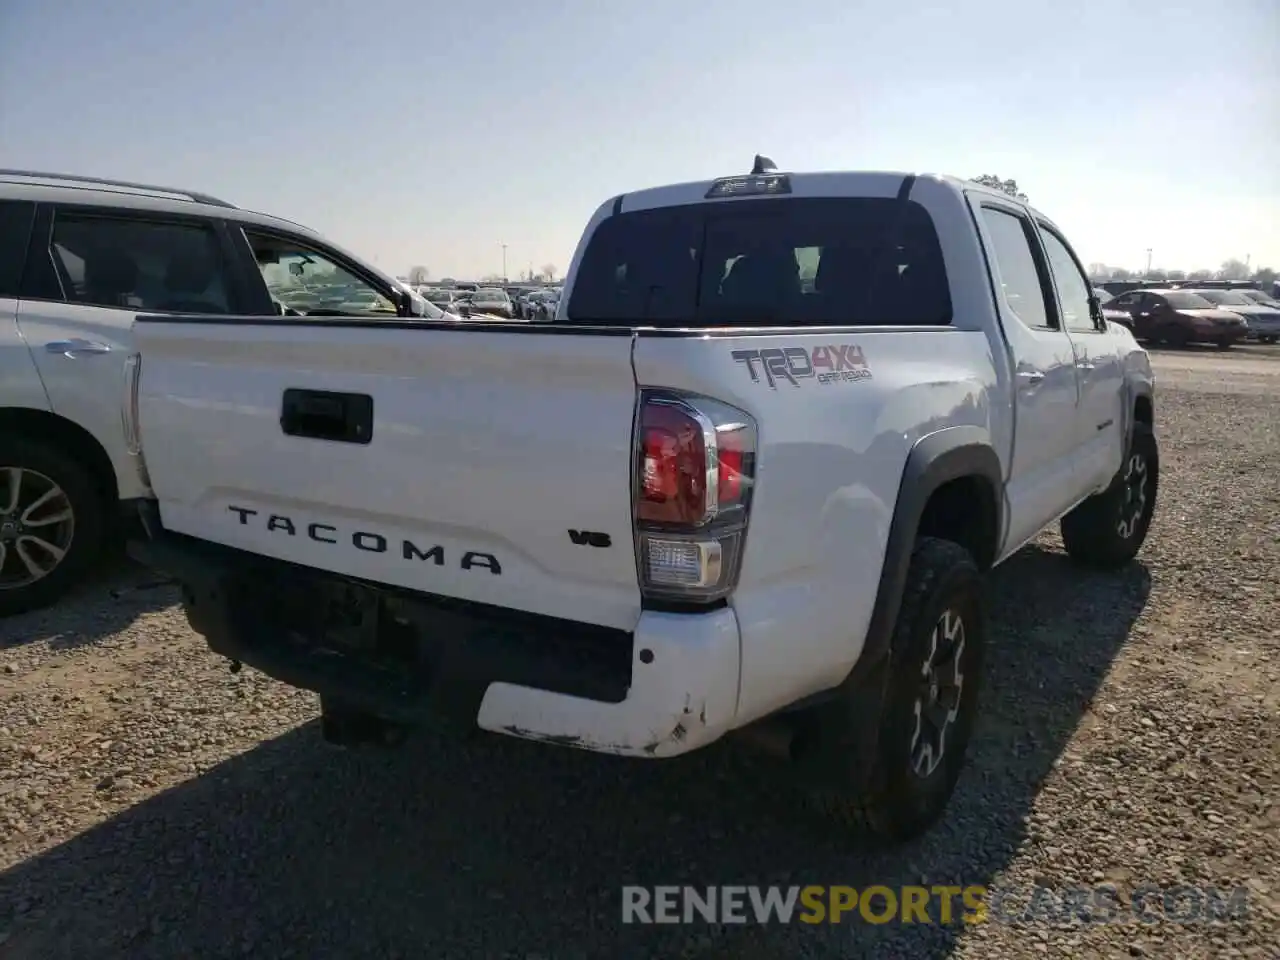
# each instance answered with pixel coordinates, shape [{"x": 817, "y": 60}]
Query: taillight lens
[{"x": 695, "y": 465}]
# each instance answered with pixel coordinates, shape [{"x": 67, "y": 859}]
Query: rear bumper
[{"x": 669, "y": 687}]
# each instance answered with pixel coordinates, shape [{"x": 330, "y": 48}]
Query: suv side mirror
[
  {"x": 407, "y": 304},
  {"x": 403, "y": 302}
]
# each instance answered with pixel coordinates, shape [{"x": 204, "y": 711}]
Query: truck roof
[{"x": 827, "y": 183}]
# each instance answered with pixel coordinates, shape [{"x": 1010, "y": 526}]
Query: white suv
[{"x": 80, "y": 257}]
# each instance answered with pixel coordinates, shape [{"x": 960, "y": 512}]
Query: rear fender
[{"x": 934, "y": 460}]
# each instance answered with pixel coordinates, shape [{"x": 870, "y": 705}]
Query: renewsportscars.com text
[{"x": 937, "y": 904}]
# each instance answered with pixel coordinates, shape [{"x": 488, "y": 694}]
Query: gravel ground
[{"x": 154, "y": 805}]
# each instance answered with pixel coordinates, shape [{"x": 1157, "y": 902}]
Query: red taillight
[
  {"x": 731, "y": 464},
  {"x": 695, "y": 460},
  {"x": 674, "y": 477}
]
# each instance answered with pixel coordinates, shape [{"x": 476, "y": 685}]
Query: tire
[
  {"x": 44, "y": 469},
  {"x": 1225, "y": 344},
  {"x": 1107, "y": 530},
  {"x": 896, "y": 784},
  {"x": 1267, "y": 339}
]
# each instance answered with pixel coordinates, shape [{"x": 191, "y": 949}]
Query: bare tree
[
  {"x": 1233, "y": 269},
  {"x": 1007, "y": 186},
  {"x": 549, "y": 271},
  {"x": 418, "y": 274},
  {"x": 1200, "y": 275},
  {"x": 1177, "y": 274}
]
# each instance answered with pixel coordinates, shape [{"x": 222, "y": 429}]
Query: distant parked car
[
  {"x": 1179, "y": 317},
  {"x": 448, "y": 301},
  {"x": 541, "y": 305},
  {"x": 1262, "y": 297},
  {"x": 493, "y": 301},
  {"x": 1109, "y": 314},
  {"x": 1263, "y": 320}
]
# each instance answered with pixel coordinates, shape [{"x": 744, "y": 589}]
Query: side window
[
  {"x": 1073, "y": 289},
  {"x": 1016, "y": 265},
  {"x": 1125, "y": 301},
  {"x": 138, "y": 264},
  {"x": 303, "y": 281},
  {"x": 16, "y": 217}
]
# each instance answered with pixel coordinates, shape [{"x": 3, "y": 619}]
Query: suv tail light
[
  {"x": 129, "y": 415},
  {"x": 695, "y": 467}
]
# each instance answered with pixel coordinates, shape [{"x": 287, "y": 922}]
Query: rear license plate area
[{"x": 321, "y": 615}]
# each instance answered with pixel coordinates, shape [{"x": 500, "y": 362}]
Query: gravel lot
[{"x": 154, "y": 805}]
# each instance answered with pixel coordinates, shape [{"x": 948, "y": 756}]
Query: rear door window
[
  {"x": 767, "y": 262},
  {"x": 1024, "y": 289},
  {"x": 136, "y": 264}
]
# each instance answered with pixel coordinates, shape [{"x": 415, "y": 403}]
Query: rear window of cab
[{"x": 793, "y": 261}]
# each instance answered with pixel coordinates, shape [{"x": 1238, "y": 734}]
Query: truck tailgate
[{"x": 495, "y": 466}]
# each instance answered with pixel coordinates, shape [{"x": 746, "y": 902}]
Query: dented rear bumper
[
  {"x": 683, "y": 694},
  {"x": 666, "y": 688}
]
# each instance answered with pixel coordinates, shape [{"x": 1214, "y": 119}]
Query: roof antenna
[{"x": 762, "y": 165}]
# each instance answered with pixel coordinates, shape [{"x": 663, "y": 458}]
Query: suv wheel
[
  {"x": 898, "y": 782},
  {"x": 51, "y": 525},
  {"x": 1109, "y": 528}
]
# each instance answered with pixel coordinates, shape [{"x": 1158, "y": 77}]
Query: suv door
[
  {"x": 1100, "y": 421},
  {"x": 1042, "y": 480},
  {"x": 20, "y": 385},
  {"x": 92, "y": 271}
]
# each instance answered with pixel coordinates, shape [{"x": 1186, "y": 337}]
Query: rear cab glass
[{"x": 775, "y": 261}]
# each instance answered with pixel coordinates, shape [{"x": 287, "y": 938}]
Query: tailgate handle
[{"x": 322, "y": 415}]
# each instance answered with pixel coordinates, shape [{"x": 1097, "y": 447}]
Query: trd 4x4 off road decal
[{"x": 827, "y": 364}]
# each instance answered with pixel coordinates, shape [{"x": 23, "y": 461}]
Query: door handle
[
  {"x": 323, "y": 415},
  {"x": 1031, "y": 377},
  {"x": 77, "y": 347}
]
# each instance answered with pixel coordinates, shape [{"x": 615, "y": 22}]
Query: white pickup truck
[{"x": 749, "y": 478}]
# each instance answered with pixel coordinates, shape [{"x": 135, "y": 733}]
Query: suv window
[
  {"x": 16, "y": 217},
  {"x": 111, "y": 261},
  {"x": 1073, "y": 288},
  {"x": 1125, "y": 300},
  {"x": 1016, "y": 265},
  {"x": 305, "y": 281},
  {"x": 776, "y": 262}
]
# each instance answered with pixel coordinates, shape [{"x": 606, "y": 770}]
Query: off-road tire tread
[
  {"x": 1089, "y": 531},
  {"x": 865, "y": 812}
]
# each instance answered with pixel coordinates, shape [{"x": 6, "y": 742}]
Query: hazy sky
[{"x": 427, "y": 133}]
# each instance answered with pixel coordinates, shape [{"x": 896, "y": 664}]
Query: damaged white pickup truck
[{"x": 749, "y": 478}]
